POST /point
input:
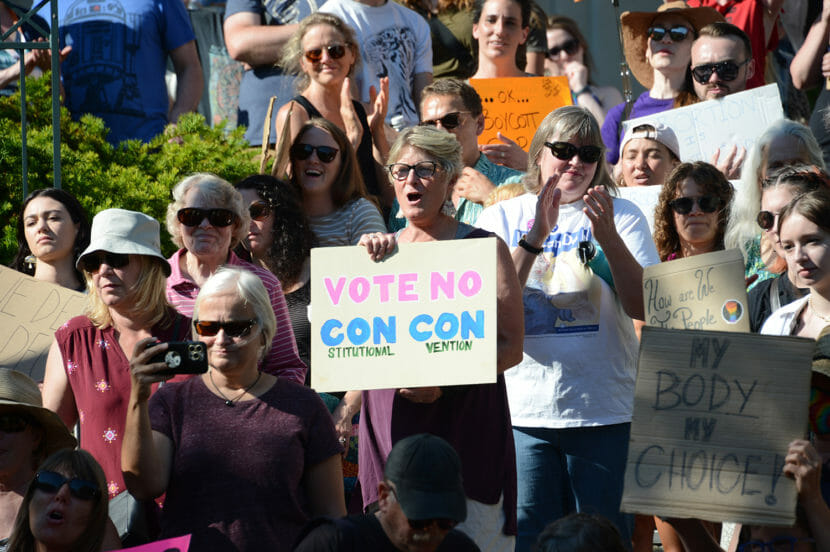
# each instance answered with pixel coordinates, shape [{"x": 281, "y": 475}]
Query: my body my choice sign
[{"x": 423, "y": 316}]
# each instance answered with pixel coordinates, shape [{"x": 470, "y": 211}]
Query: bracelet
[
  {"x": 529, "y": 248},
  {"x": 585, "y": 90}
]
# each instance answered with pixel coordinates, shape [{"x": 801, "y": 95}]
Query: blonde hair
[
  {"x": 442, "y": 146},
  {"x": 215, "y": 190},
  {"x": 505, "y": 191},
  {"x": 149, "y": 294}
]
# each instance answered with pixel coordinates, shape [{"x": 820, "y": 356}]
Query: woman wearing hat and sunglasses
[
  {"x": 207, "y": 219},
  {"x": 658, "y": 50}
]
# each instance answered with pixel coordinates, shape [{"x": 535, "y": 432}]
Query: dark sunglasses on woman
[
  {"x": 766, "y": 220},
  {"x": 570, "y": 47},
  {"x": 92, "y": 262},
  {"x": 448, "y": 121},
  {"x": 335, "y": 51},
  {"x": 233, "y": 328},
  {"x": 326, "y": 154},
  {"x": 192, "y": 216},
  {"x": 259, "y": 210},
  {"x": 51, "y": 482},
  {"x": 726, "y": 70},
  {"x": 677, "y": 33},
  {"x": 565, "y": 151},
  {"x": 684, "y": 205}
]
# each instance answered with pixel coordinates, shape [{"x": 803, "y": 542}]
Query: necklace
[
  {"x": 826, "y": 319},
  {"x": 232, "y": 402}
]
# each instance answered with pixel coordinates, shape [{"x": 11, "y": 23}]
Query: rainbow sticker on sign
[{"x": 732, "y": 311}]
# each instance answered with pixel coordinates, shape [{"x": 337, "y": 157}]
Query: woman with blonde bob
[
  {"x": 570, "y": 446},
  {"x": 87, "y": 370},
  {"x": 207, "y": 219},
  {"x": 283, "y": 468}
]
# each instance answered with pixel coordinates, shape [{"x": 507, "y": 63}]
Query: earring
[{"x": 30, "y": 261}]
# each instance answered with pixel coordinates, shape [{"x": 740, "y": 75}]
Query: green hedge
[{"x": 132, "y": 176}]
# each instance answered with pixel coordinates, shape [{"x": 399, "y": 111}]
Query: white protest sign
[
  {"x": 705, "y": 127},
  {"x": 645, "y": 197},
  {"x": 30, "y": 312},
  {"x": 424, "y": 316},
  {"x": 714, "y": 413}
]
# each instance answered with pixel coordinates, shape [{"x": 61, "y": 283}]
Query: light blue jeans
[{"x": 561, "y": 471}]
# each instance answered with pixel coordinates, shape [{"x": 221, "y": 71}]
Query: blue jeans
[{"x": 561, "y": 471}]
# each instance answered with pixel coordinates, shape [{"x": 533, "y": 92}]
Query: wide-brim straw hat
[
  {"x": 127, "y": 232},
  {"x": 635, "y": 39},
  {"x": 18, "y": 393}
]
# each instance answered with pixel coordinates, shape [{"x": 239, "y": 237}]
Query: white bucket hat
[{"x": 127, "y": 232}]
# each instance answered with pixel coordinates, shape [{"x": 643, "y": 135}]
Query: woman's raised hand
[
  {"x": 508, "y": 153},
  {"x": 378, "y": 244},
  {"x": 547, "y": 212},
  {"x": 379, "y": 103},
  {"x": 143, "y": 371},
  {"x": 599, "y": 207},
  {"x": 354, "y": 130}
]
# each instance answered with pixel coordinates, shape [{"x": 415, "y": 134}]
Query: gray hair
[
  {"x": 441, "y": 145},
  {"x": 215, "y": 190}
]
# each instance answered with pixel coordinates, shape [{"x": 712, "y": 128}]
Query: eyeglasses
[
  {"x": 778, "y": 544},
  {"x": 13, "y": 423},
  {"x": 51, "y": 482},
  {"x": 676, "y": 34},
  {"x": 566, "y": 151},
  {"x": 424, "y": 524},
  {"x": 92, "y": 262},
  {"x": 259, "y": 210},
  {"x": 448, "y": 121},
  {"x": 191, "y": 216},
  {"x": 726, "y": 70},
  {"x": 424, "y": 169},
  {"x": 570, "y": 47},
  {"x": 766, "y": 220},
  {"x": 233, "y": 328},
  {"x": 684, "y": 205},
  {"x": 336, "y": 51},
  {"x": 326, "y": 154}
]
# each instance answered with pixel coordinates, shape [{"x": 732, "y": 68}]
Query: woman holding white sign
[
  {"x": 475, "y": 419},
  {"x": 571, "y": 397}
]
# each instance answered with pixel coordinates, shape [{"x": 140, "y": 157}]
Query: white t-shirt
[
  {"x": 783, "y": 321},
  {"x": 395, "y": 42},
  {"x": 580, "y": 350}
]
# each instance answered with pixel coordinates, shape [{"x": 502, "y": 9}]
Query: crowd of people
[{"x": 247, "y": 455}]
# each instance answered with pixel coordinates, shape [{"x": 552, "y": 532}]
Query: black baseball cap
[{"x": 426, "y": 472}]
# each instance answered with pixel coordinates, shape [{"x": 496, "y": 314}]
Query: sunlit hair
[
  {"x": 565, "y": 124},
  {"x": 571, "y": 27},
  {"x": 813, "y": 206},
  {"x": 292, "y": 52},
  {"x": 722, "y": 29},
  {"x": 457, "y": 89},
  {"x": 250, "y": 289},
  {"x": 72, "y": 464},
  {"x": 291, "y": 236},
  {"x": 741, "y": 228},
  {"x": 149, "y": 299},
  {"x": 712, "y": 182},
  {"x": 348, "y": 182},
  {"x": 580, "y": 532},
  {"x": 443, "y": 5},
  {"x": 440, "y": 145},
  {"x": 76, "y": 213},
  {"x": 217, "y": 193}
]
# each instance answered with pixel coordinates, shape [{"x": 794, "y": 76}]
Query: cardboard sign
[
  {"x": 176, "y": 544},
  {"x": 424, "y": 316},
  {"x": 515, "y": 106},
  {"x": 713, "y": 415},
  {"x": 703, "y": 292},
  {"x": 706, "y": 127},
  {"x": 30, "y": 312}
]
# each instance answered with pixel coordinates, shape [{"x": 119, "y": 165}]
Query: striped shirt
[
  {"x": 347, "y": 224},
  {"x": 282, "y": 359}
]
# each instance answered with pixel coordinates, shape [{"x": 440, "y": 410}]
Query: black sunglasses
[
  {"x": 233, "y": 328},
  {"x": 51, "y": 482},
  {"x": 726, "y": 70},
  {"x": 424, "y": 169},
  {"x": 13, "y": 423},
  {"x": 677, "y": 33},
  {"x": 566, "y": 151},
  {"x": 448, "y": 121},
  {"x": 192, "y": 216},
  {"x": 570, "y": 47},
  {"x": 259, "y": 210},
  {"x": 684, "y": 205},
  {"x": 766, "y": 220},
  {"x": 92, "y": 262},
  {"x": 326, "y": 154},
  {"x": 336, "y": 51}
]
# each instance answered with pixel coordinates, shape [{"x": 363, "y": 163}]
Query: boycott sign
[
  {"x": 703, "y": 292},
  {"x": 515, "y": 106},
  {"x": 424, "y": 316},
  {"x": 30, "y": 312},
  {"x": 713, "y": 415}
]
